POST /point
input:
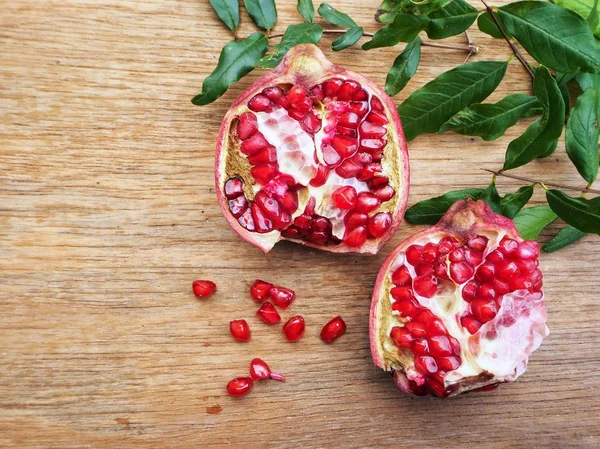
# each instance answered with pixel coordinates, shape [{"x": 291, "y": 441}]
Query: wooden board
[{"x": 108, "y": 212}]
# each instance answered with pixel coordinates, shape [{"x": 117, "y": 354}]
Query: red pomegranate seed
[
  {"x": 259, "y": 370},
  {"x": 495, "y": 256},
  {"x": 268, "y": 205},
  {"x": 254, "y": 144},
  {"x": 417, "y": 330},
  {"x": 414, "y": 254},
  {"x": 282, "y": 297},
  {"x": 202, "y": 289},
  {"x": 420, "y": 346},
  {"x": 363, "y": 158},
  {"x": 346, "y": 131},
  {"x": 430, "y": 253},
  {"x": 259, "y": 290},
  {"x": 234, "y": 187},
  {"x": 259, "y": 103},
  {"x": 317, "y": 92},
  {"x": 425, "y": 364},
  {"x": 457, "y": 255},
  {"x": 448, "y": 363},
  {"x": 333, "y": 330},
  {"x": 332, "y": 87},
  {"x": 377, "y": 118},
  {"x": 361, "y": 95},
  {"x": 507, "y": 246},
  {"x": 344, "y": 197},
  {"x": 355, "y": 219},
  {"x": 435, "y": 327},
  {"x": 401, "y": 276},
  {"x": 264, "y": 173},
  {"x": 267, "y": 155},
  {"x": 239, "y": 330},
  {"x": 379, "y": 224},
  {"x": 485, "y": 272},
  {"x": 402, "y": 293},
  {"x": 296, "y": 95},
  {"x": 486, "y": 291},
  {"x": 401, "y": 337},
  {"x": 349, "y": 119},
  {"x": 369, "y": 130},
  {"x": 355, "y": 237},
  {"x": 239, "y": 386},
  {"x": 407, "y": 307},
  {"x": 376, "y": 104},
  {"x": 528, "y": 250},
  {"x": 483, "y": 310},
  {"x": 507, "y": 269},
  {"x": 366, "y": 202},
  {"x": 446, "y": 244},
  {"x": 469, "y": 291},
  {"x": 268, "y": 314},
  {"x": 247, "y": 125},
  {"x": 384, "y": 193},
  {"x": 473, "y": 257},
  {"x": 461, "y": 272},
  {"x": 247, "y": 221},
  {"x": 424, "y": 269},
  {"x": 478, "y": 243},
  {"x": 348, "y": 90},
  {"x": 344, "y": 146},
  {"x": 439, "y": 345},
  {"x": 424, "y": 316},
  {"x": 359, "y": 107},
  {"x": 348, "y": 169},
  {"x": 237, "y": 206},
  {"x": 294, "y": 328},
  {"x": 425, "y": 286},
  {"x": 321, "y": 176},
  {"x": 312, "y": 123},
  {"x": 261, "y": 221}
]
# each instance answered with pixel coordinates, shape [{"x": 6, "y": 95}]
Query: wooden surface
[{"x": 108, "y": 212}]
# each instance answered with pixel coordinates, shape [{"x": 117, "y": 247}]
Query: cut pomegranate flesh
[
  {"x": 304, "y": 148},
  {"x": 458, "y": 306}
]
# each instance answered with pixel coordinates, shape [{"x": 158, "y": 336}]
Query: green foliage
[
  {"x": 262, "y": 12},
  {"x": 532, "y": 220},
  {"x": 566, "y": 236},
  {"x": 306, "y": 10},
  {"x": 302, "y": 33},
  {"x": 404, "y": 67},
  {"x": 580, "y": 213},
  {"x": 228, "y": 11},
  {"x": 347, "y": 39}
]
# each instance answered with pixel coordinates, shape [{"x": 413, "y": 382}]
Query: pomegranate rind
[
  {"x": 464, "y": 219},
  {"x": 305, "y": 64}
]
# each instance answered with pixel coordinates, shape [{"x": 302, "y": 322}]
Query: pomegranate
[
  {"x": 333, "y": 330},
  {"x": 294, "y": 328},
  {"x": 240, "y": 330},
  {"x": 315, "y": 154},
  {"x": 268, "y": 313},
  {"x": 458, "y": 306},
  {"x": 202, "y": 289},
  {"x": 259, "y": 370},
  {"x": 239, "y": 386}
]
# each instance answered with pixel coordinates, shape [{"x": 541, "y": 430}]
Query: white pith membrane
[
  {"x": 299, "y": 154},
  {"x": 498, "y": 352}
]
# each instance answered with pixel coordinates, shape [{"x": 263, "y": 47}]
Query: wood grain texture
[{"x": 108, "y": 212}]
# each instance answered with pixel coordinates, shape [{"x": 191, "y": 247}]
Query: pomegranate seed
[
  {"x": 401, "y": 337},
  {"x": 417, "y": 330},
  {"x": 426, "y": 364},
  {"x": 507, "y": 269},
  {"x": 379, "y": 181},
  {"x": 369, "y": 130},
  {"x": 348, "y": 169},
  {"x": 332, "y": 87},
  {"x": 234, "y": 187},
  {"x": 344, "y": 197},
  {"x": 528, "y": 250},
  {"x": 363, "y": 158},
  {"x": 289, "y": 201},
  {"x": 267, "y": 204},
  {"x": 379, "y": 224},
  {"x": 401, "y": 276},
  {"x": 259, "y": 370},
  {"x": 478, "y": 243},
  {"x": 246, "y": 220},
  {"x": 461, "y": 272},
  {"x": 294, "y": 328},
  {"x": 239, "y": 386},
  {"x": 348, "y": 90},
  {"x": 344, "y": 146},
  {"x": 435, "y": 327},
  {"x": 202, "y": 289},
  {"x": 486, "y": 291},
  {"x": 239, "y": 330},
  {"x": 366, "y": 202},
  {"x": 349, "y": 119},
  {"x": 424, "y": 316},
  {"x": 436, "y": 388},
  {"x": 268, "y": 314},
  {"x": 273, "y": 93},
  {"x": 448, "y": 363},
  {"x": 259, "y": 290},
  {"x": 500, "y": 287},
  {"x": 333, "y": 330},
  {"x": 372, "y": 145},
  {"x": 495, "y": 257},
  {"x": 420, "y": 346},
  {"x": 237, "y": 206},
  {"x": 254, "y": 144},
  {"x": 407, "y": 308},
  {"x": 247, "y": 125},
  {"x": 526, "y": 266},
  {"x": 384, "y": 193},
  {"x": 267, "y": 155},
  {"x": 361, "y": 95},
  {"x": 446, "y": 244},
  {"x": 312, "y": 123},
  {"x": 485, "y": 273},
  {"x": 507, "y": 246},
  {"x": 470, "y": 324},
  {"x": 355, "y": 237},
  {"x": 261, "y": 221},
  {"x": 483, "y": 310},
  {"x": 259, "y": 103},
  {"x": 425, "y": 286},
  {"x": 441, "y": 271},
  {"x": 520, "y": 283},
  {"x": 282, "y": 297},
  {"x": 317, "y": 92},
  {"x": 402, "y": 293},
  {"x": 359, "y": 107},
  {"x": 439, "y": 345},
  {"x": 424, "y": 269},
  {"x": 473, "y": 257},
  {"x": 355, "y": 219},
  {"x": 377, "y": 118},
  {"x": 469, "y": 291},
  {"x": 264, "y": 173},
  {"x": 296, "y": 95},
  {"x": 321, "y": 176},
  {"x": 457, "y": 255},
  {"x": 414, "y": 254},
  {"x": 376, "y": 104},
  {"x": 430, "y": 252}
]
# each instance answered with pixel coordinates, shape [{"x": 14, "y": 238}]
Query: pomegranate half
[
  {"x": 458, "y": 306},
  {"x": 315, "y": 154}
]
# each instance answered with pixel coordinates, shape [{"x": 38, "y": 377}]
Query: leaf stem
[
  {"x": 513, "y": 47},
  {"x": 542, "y": 183},
  {"x": 472, "y": 49}
]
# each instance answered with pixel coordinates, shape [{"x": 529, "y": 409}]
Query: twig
[
  {"x": 472, "y": 49},
  {"x": 534, "y": 181},
  {"x": 513, "y": 47},
  {"x": 470, "y": 44}
]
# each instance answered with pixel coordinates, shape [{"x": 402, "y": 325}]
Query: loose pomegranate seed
[
  {"x": 239, "y": 386},
  {"x": 282, "y": 297},
  {"x": 333, "y": 330},
  {"x": 240, "y": 330},
  {"x": 294, "y": 328},
  {"x": 259, "y": 370},
  {"x": 268, "y": 314},
  {"x": 344, "y": 197},
  {"x": 202, "y": 289}
]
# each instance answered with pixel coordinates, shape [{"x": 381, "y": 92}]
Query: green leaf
[
  {"x": 452, "y": 19},
  {"x": 336, "y": 17},
  {"x": 585, "y": 9},
  {"x": 302, "y": 33},
  {"x": 237, "y": 59},
  {"x": 430, "y": 211},
  {"x": 593, "y": 20},
  {"x": 564, "y": 91},
  {"x": 555, "y": 37},
  {"x": 566, "y": 236},
  {"x": 587, "y": 80},
  {"x": 491, "y": 196},
  {"x": 405, "y": 28},
  {"x": 486, "y": 24},
  {"x": 347, "y": 39},
  {"x": 228, "y": 11},
  {"x": 404, "y": 67},
  {"x": 426, "y": 109},
  {"x": 578, "y": 212},
  {"x": 306, "y": 10},
  {"x": 581, "y": 139},
  {"x": 512, "y": 203},
  {"x": 490, "y": 121},
  {"x": 262, "y": 12},
  {"x": 542, "y": 135},
  {"x": 532, "y": 220},
  {"x": 387, "y": 10}
]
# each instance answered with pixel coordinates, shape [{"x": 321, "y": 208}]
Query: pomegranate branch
[{"x": 534, "y": 181}]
